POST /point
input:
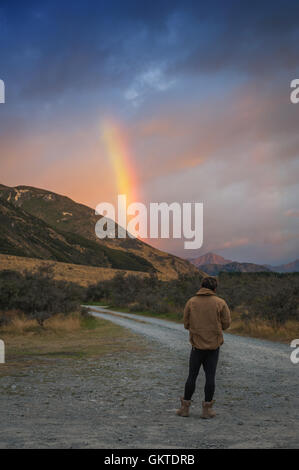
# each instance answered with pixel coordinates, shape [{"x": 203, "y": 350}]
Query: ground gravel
[{"x": 129, "y": 400}]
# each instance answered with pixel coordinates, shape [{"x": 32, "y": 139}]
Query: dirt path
[{"x": 129, "y": 401}]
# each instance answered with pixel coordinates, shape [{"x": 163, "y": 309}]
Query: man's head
[{"x": 209, "y": 282}]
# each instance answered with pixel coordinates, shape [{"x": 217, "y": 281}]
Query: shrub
[
  {"x": 273, "y": 297},
  {"x": 38, "y": 294}
]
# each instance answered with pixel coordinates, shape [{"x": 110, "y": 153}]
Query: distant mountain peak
[
  {"x": 293, "y": 266},
  {"x": 213, "y": 264},
  {"x": 209, "y": 258}
]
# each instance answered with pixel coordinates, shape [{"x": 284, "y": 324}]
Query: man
[{"x": 205, "y": 316}]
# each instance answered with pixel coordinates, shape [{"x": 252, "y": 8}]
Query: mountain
[
  {"x": 215, "y": 269},
  {"x": 286, "y": 268},
  {"x": 42, "y": 224},
  {"x": 23, "y": 234},
  {"x": 209, "y": 258},
  {"x": 213, "y": 264}
]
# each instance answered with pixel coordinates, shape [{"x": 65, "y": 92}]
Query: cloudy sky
[{"x": 198, "y": 93}]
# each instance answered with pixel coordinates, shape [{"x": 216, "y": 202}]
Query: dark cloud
[
  {"x": 65, "y": 46},
  {"x": 51, "y": 47},
  {"x": 256, "y": 38}
]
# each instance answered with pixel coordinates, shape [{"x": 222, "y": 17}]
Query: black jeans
[{"x": 209, "y": 359}]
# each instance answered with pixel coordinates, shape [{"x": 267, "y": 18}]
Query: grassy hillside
[
  {"x": 79, "y": 274},
  {"x": 24, "y": 234},
  {"x": 66, "y": 232}
]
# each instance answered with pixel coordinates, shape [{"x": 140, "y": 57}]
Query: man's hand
[
  {"x": 187, "y": 315},
  {"x": 225, "y": 316}
]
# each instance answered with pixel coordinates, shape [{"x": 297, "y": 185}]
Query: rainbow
[{"x": 117, "y": 148}]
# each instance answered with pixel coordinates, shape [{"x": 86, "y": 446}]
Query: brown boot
[
  {"x": 184, "y": 410},
  {"x": 207, "y": 411}
]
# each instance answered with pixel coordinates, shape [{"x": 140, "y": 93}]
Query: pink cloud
[
  {"x": 280, "y": 238},
  {"x": 292, "y": 213},
  {"x": 233, "y": 243}
]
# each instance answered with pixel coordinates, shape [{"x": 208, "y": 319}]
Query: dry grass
[
  {"x": 19, "y": 324},
  {"x": 262, "y": 329},
  {"x": 61, "y": 323},
  {"x": 255, "y": 328},
  {"x": 71, "y": 337},
  {"x": 79, "y": 274}
]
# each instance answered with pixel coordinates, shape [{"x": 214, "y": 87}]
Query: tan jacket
[{"x": 205, "y": 316}]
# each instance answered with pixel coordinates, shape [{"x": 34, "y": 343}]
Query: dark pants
[{"x": 208, "y": 358}]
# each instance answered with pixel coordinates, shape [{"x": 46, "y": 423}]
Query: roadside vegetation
[
  {"x": 263, "y": 305},
  {"x": 75, "y": 336},
  {"x": 42, "y": 318}
]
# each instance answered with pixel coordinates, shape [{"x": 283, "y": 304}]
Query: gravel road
[
  {"x": 129, "y": 400},
  {"x": 256, "y": 393}
]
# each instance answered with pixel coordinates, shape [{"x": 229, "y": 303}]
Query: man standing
[{"x": 205, "y": 316}]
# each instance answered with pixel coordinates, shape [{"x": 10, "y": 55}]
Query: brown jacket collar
[{"x": 205, "y": 291}]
